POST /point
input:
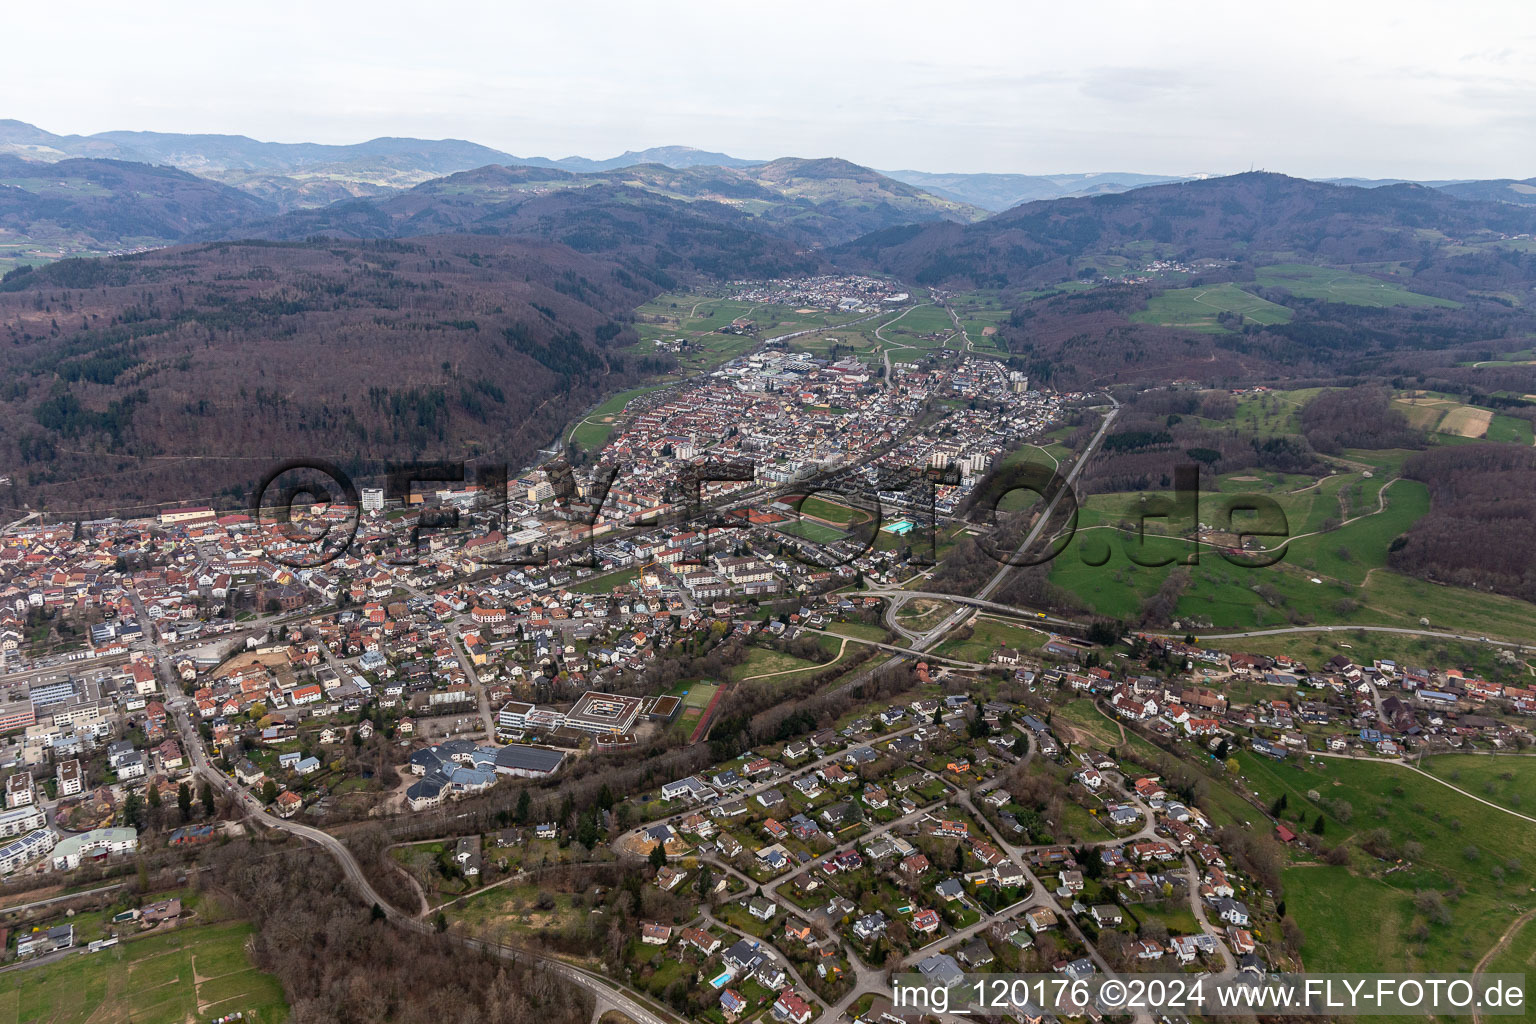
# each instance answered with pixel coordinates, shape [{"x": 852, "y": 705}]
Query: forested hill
[
  {"x": 110, "y": 203},
  {"x": 806, "y": 202},
  {"x": 182, "y": 373},
  {"x": 664, "y": 240},
  {"x": 1237, "y": 217}
]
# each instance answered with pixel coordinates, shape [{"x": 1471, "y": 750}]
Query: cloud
[
  {"x": 1376, "y": 88},
  {"x": 1134, "y": 85}
]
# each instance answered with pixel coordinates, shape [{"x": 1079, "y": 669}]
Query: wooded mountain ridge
[
  {"x": 1235, "y": 217},
  {"x": 187, "y": 373}
]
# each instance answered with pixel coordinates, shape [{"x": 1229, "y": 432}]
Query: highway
[
  {"x": 1401, "y": 630},
  {"x": 1045, "y": 516}
]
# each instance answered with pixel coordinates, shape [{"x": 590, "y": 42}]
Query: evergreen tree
[
  {"x": 133, "y": 811},
  {"x": 586, "y": 831}
]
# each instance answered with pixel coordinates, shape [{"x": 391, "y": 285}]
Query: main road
[{"x": 896, "y": 597}]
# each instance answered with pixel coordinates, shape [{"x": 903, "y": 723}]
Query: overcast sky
[{"x": 1343, "y": 88}]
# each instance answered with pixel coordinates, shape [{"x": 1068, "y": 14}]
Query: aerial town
[
  {"x": 1013, "y": 798},
  {"x": 689, "y": 514}
]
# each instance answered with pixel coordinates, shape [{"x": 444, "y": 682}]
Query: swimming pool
[{"x": 722, "y": 981}]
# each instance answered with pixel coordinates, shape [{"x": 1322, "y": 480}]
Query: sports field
[
  {"x": 699, "y": 695},
  {"x": 815, "y": 506},
  {"x": 191, "y": 974},
  {"x": 811, "y": 530},
  {"x": 695, "y": 697},
  {"x": 604, "y": 583}
]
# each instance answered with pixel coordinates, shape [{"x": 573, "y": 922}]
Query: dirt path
[
  {"x": 1509, "y": 933},
  {"x": 422, "y": 903},
  {"x": 791, "y": 671},
  {"x": 1434, "y": 778},
  {"x": 1499, "y": 947},
  {"x": 885, "y": 352},
  {"x": 1112, "y": 721},
  {"x": 1381, "y": 506}
]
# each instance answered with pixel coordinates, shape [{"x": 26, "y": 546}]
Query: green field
[
  {"x": 817, "y": 507},
  {"x": 921, "y": 329},
  {"x": 606, "y": 582},
  {"x": 1085, "y": 719},
  {"x": 979, "y": 312},
  {"x": 1338, "y": 577},
  {"x": 1509, "y": 430},
  {"x": 988, "y": 635},
  {"x": 1331, "y": 285},
  {"x": 857, "y": 630},
  {"x": 1198, "y": 308},
  {"x": 762, "y": 661},
  {"x": 1457, "y": 422},
  {"x": 1519, "y": 957},
  {"x": 594, "y": 430},
  {"x": 194, "y": 973},
  {"x": 698, "y": 316},
  {"x": 809, "y": 529},
  {"x": 1507, "y": 781},
  {"x": 1486, "y": 854},
  {"x": 922, "y": 613}
]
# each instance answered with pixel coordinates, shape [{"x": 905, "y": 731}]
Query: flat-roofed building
[
  {"x": 528, "y": 762},
  {"x": 97, "y": 843},
  {"x": 187, "y": 514},
  {"x": 18, "y": 790},
  {"x": 71, "y": 777},
  {"x": 22, "y": 819},
  {"x": 603, "y": 713},
  {"x": 17, "y": 714},
  {"x": 513, "y": 715},
  {"x": 28, "y": 848}
]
